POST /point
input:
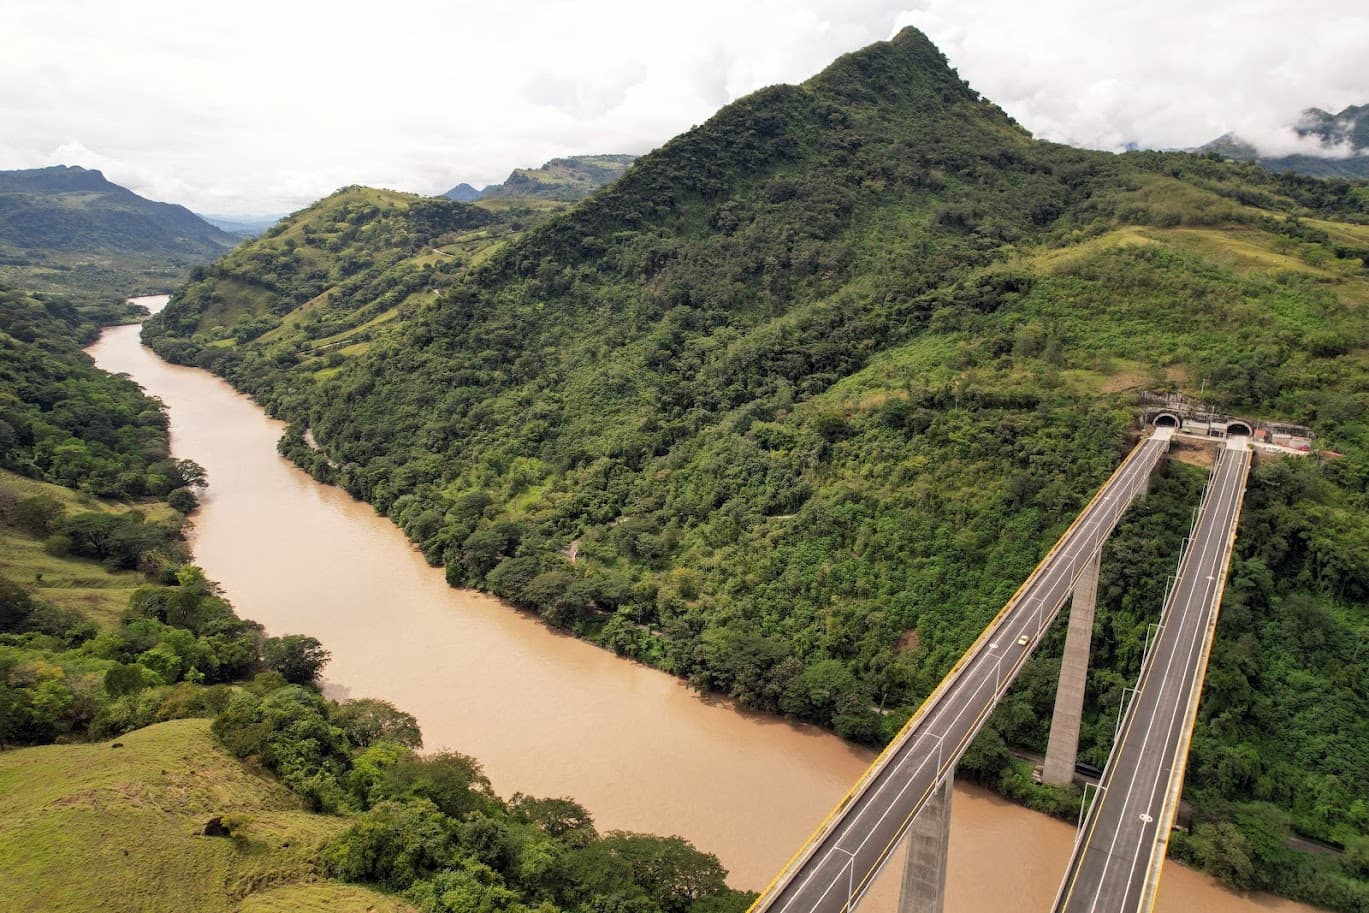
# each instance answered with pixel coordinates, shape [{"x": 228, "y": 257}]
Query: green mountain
[
  {"x": 1349, "y": 126},
  {"x": 109, "y": 638},
  {"x": 567, "y": 179},
  {"x": 331, "y": 276},
  {"x": 71, "y": 209},
  {"x": 1349, "y": 129},
  {"x": 792, "y": 407},
  {"x": 69, "y": 231}
]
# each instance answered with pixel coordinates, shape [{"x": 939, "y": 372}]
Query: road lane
[
  {"x": 1116, "y": 862},
  {"x": 838, "y": 864}
]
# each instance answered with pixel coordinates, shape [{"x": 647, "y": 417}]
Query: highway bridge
[
  {"x": 1116, "y": 862},
  {"x": 837, "y": 865}
]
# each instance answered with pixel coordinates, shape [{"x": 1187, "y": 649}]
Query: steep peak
[
  {"x": 905, "y": 70},
  {"x": 463, "y": 193}
]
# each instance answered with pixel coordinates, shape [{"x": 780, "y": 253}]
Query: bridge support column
[
  {"x": 1063, "y": 747},
  {"x": 929, "y": 839}
]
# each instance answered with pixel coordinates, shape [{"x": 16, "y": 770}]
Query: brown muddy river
[{"x": 547, "y": 714}]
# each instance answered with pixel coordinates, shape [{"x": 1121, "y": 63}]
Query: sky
[{"x": 255, "y": 107}]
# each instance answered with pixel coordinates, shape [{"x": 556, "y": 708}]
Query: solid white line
[
  {"x": 1165, "y": 688},
  {"x": 1119, "y": 750},
  {"x": 1129, "y": 482},
  {"x": 1217, "y": 535},
  {"x": 1166, "y": 684}
]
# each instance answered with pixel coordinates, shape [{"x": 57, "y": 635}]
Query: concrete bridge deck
[
  {"x": 1116, "y": 862},
  {"x": 840, "y": 861}
]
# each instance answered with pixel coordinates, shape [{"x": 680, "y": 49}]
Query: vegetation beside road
[{"x": 812, "y": 388}]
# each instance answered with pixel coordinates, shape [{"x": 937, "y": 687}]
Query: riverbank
[{"x": 545, "y": 713}]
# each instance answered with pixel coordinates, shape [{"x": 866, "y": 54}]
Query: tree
[
  {"x": 394, "y": 844},
  {"x": 984, "y": 760},
  {"x": 670, "y": 869},
  {"x": 15, "y": 606},
  {"x": 125, "y": 678},
  {"x": 562, "y": 819},
  {"x": 1226, "y": 854},
  {"x": 452, "y": 781},
  {"x": 192, "y": 474},
  {"x": 370, "y": 720},
  {"x": 35, "y": 515},
  {"x": 471, "y": 887},
  {"x": 183, "y": 499},
  {"x": 298, "y": 658}
]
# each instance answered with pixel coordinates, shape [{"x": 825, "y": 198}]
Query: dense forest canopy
[
  {"x": 106, "y": 629},
  {"x": 794, "y": 405}
]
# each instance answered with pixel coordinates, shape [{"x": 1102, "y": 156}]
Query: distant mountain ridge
[
  {"x": 248, "y": 226},
  {"x": 1334, "y": 131},
  {"x": 69, "y": 208},
  {"x": 567, "y": 179}
]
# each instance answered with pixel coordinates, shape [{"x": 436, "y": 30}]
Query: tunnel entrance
[
  {"x": 1238, "y": 429},
  {"x": 1168, "y": 420}
]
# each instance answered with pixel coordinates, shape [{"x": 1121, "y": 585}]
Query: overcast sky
[{"x": 253, "y": 107}]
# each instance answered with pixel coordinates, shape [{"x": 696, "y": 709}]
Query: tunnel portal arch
[
  {"x": 1242, "y": 429},
  {"x": 1168, "y": 420}
]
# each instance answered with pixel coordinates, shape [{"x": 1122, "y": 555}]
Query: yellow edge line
[
  {"x": 899, "y": 831},
  {"x": 1077, "y": 855},
  {"x": 781, "y": 880},
  {"x": 1151, "y": 889}
]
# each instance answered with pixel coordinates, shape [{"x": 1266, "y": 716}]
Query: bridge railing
[{"x": 834, "y": 818}]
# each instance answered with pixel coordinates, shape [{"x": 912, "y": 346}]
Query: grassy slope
[
  {"x": 73, "y": 583},
  {"x": 94, "y": 827},
  {"x": 321, "y": 283},
  {"x": 565, "y": 179}
]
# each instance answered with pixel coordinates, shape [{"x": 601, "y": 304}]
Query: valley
[
  {"x": 545, "y": 713},
  {"x": 672, "y": 485}
]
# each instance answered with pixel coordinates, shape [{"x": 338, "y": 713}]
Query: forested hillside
[
  {"x": 792, "y": 407},
  {"x": 111, "y": 642},
  {"x": 324, "y": 281},
  {"x": 68, "y": 230},
  {"x": 61, "y": 419}
]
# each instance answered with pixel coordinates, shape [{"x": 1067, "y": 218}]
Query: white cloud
[
  {"x": 263, "y": 106},
  {"x": 267, "y": 105},
  {"x": 1161, "y": 74}
]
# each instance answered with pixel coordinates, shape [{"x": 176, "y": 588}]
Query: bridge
[
  {"x": 1116, "y": 861},
  {"x": 905, "y": 793}
]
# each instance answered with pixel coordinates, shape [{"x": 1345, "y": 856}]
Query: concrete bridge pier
[
  {"x": 1063, "y": 748},
  {"x": 924, "y": 869}
]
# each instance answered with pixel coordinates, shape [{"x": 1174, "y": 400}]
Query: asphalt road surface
[
  {"x": 837, "y": 866},
  {"x": 1116, "y": 863}
]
